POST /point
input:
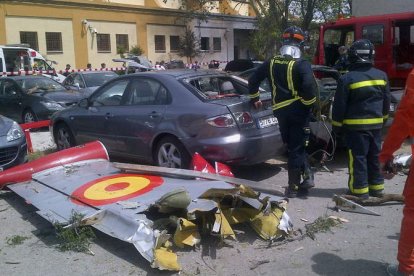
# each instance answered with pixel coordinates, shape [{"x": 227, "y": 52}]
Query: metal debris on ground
[
  {"x": 344, "y": 204},
  {"x": 171, "y": 214}
]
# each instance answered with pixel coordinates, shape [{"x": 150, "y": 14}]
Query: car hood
[
  {"x": 62, "y": 96},
  {"x": 5, "y": 124}
]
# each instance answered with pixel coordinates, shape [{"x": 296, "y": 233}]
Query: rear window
[{"x": 98, "y": 79}]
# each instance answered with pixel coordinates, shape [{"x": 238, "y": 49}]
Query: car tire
[
  {"x": 29, "y": 116},
  {"x": 63, "y": 137},
  {"x": 171, "y": 153}
]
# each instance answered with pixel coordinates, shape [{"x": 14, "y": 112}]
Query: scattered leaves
[
  {"x": 16, "y": 240},
  {"x": 76, "y": 237},
  {"x": 321, "y": 224}
]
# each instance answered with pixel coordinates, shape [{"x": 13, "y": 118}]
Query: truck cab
[{"x": 391, "y": 34}]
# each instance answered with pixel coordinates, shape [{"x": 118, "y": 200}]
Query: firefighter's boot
[
  {"x": 308, "y": 179},
  {"x": 294, "y": 181}
]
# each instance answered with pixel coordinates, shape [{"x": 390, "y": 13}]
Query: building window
[
  {"x": 54, "y": 42},
  {"x": 217, "y": 44},
  {"x": 205, "y": 44},
  {"x": 103, "y": 42},
  {"x": 159, "y": 43},
  {"x": 174, "y": 43},
  {"x": 30, "y": 38},
  {"x": 122, "y": 42}
]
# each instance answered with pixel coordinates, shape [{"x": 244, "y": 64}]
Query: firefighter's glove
[
  {"x": 388, "y": 169},
  {"x": 257, "y": 104}
]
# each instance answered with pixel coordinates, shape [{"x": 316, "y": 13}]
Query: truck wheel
[{"x": 170, "y": 153}]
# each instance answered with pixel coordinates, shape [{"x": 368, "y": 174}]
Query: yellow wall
[
  {"x": 113, "y": 17},
  {"x": 16, "y": 24},
  {"x": 111, "y": 28}
]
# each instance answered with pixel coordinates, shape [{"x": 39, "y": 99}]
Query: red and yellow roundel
[{"x": 114, "y": 188}]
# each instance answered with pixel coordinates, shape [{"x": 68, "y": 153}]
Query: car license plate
[{"x": 267, "y": 122}]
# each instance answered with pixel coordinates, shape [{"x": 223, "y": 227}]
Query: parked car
[
  {"x": 32, "y": 98},
  {"x": 13, "y": 147},
  {"x": 164, "y": 117},
  {"x": 87, "y": 81},
  {"x": 240, "y": 65},
  {"x": 175, "y": 64}
]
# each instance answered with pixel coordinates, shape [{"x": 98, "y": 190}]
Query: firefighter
[
  {"x": 403, "y": 127},
  {"x": 360, "y": 108},
  {"x": 293, "y": 96}
]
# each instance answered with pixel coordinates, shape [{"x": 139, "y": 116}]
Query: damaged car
[{"x": 164, "y": 117}]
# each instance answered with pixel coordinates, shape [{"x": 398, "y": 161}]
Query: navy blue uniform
[
  {"x": 360, "y": 108},
  {"x": 293, "y": 94}
]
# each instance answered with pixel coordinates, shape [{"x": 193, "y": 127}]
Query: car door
[
  {"x": 11, "y": 97},
  {"x": 139, "y": 121},
  {"x": 94, "y": 122}
]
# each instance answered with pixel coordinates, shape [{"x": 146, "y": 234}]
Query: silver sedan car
[{"x": 164, "y": 117}]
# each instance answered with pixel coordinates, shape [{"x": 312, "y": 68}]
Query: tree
[
  {"x": 189, "y": 46},
  {"x": 136, "y": 50}
]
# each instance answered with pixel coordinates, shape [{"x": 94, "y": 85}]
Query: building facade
[
  {"x": 79, "y": 32},
  {"x": 378, "y": 7}
]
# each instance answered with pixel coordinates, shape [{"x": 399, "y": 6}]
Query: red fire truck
[{"x": 392, "y": 35}]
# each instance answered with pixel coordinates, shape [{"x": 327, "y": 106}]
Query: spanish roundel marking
[{"x": 114, "y": 188}]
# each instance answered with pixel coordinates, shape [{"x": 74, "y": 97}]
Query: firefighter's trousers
[
  {"x": 364, "y": 169},
  {"x": 294, "y": 128}
]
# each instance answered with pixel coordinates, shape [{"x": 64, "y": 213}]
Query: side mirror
[{"x": 84, "y": 103}]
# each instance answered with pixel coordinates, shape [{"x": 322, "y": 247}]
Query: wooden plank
[{"x": 181, "y": 173}]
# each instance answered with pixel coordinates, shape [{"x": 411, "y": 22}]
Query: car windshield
[
  {"x": 98, "y": 79},
  {"x": 31, "y": 85}
]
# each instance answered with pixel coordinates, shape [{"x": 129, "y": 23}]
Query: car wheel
[
  {"x": 63, "y": 137},
  {"x": 171, "y": 153},
  {"x": 29, "y": 116}
]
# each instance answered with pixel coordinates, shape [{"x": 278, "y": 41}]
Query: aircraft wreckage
[{"x": 141, "y": 204}]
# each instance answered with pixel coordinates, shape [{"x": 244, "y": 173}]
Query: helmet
[
  {"x": 361, "y": 51},
  {"x": 293, "y": 36}
]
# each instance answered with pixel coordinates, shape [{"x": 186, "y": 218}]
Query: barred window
[
  {"x": 174, "y": 43},
  {"x": 159, "y": 43},
  {"x": 122, "y": 42},
  {"x": 205, "y": 44},
  {"x": 54, "y": 42},
  {"x": 30, "y": 38},
  {"x": 103, "y": 42},
  {"x": 217, "y": 44}
]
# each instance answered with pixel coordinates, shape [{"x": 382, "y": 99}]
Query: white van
[
  {"x": 40, "y": 63},
  {"x": 18, "y": 57},
  {"x": 14, "y": 59}
]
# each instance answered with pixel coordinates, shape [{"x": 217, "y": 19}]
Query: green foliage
[
  {"x": 16, "y": 240},
  {"x": 321, "y": 224},
  {"x": 37, "y": 154},
  {"x": 121, "y": 51},
  {"x": 75, "y": 237},
  {"x": 136, "y": 50},
  {"x": 189, "y": 46}
]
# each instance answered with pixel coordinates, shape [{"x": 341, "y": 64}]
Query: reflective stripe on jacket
[
  {"x": 291, "y": 80},
  {"x": 362, "y": 99}
]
